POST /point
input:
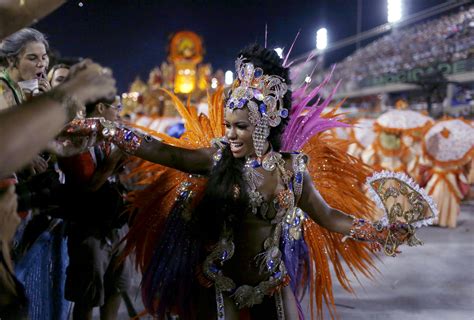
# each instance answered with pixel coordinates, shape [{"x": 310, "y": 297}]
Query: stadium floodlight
[
  {"x": 322, "y": 39},
  {"x": 229, "y": 77},
  {"x": 279, "y": 51},
  {"x": 394, "y": 10}
]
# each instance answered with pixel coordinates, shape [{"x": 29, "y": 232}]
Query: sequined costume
[
  {"x": 286, "y": 221},
  {"x": 298, "y": 252}
]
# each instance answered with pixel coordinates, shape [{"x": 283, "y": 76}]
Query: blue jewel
[
  {"x": 284, "y": 113},
  {"x": 128, "y": 136},
  {"x": 224, "y": 255},
  {"x": 277, "y": 275},
  {"x": 297, "y": 221},
  {"x": 262, "y": 108},
  {"x": 258, "y": 73},
  {"x": 270, "y": 264},
  {"x": 242, "y": 102},
  {"x": 213, "y": 269},
  {"x": 231, "y": 105},
  {"x": 299, "y": 177}
]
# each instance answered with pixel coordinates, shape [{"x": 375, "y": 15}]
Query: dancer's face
[
  {"x": 32, "y": 61},
  {"x": 238, "y": 131}
]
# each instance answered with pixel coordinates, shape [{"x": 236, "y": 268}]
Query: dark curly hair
[{"x": 220, "y": 206}]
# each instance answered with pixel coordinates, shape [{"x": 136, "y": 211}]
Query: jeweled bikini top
[
  {"x": 271, "y": 161},
  {"x": 288, "y": 218}
]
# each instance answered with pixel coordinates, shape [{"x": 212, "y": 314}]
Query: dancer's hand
[
  {"x": 90, "y": 127},
  {"x": 401, "y": 231}
]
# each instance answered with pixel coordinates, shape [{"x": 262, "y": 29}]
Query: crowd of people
[
  {"x": 229, "y": 221},
  {"x": 446, "y": 39},
  {"x": 48, "y": 195}
]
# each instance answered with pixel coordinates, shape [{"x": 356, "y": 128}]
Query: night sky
[{"x": 130, "y": 36}]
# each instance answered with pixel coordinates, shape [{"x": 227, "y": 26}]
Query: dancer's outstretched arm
[
  {"x": 194, "y": 161},
  {"x": 317, "y": 208},
  {"x": 335, "y": 220},
  {"x": 198, "y": 161}
]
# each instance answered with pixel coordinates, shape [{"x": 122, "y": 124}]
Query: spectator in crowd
[
  {"x": 26, "y": 58},
  {"x": 58, "y": 74},
  {"x": 93, "y": 203},
  {"x": 27, "y": 130},
  {"x": 13, "y": 303}
]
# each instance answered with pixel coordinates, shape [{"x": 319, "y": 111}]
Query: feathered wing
[
  {"x": 161, "y": 209},
  {"x": 339, "y": 178}
]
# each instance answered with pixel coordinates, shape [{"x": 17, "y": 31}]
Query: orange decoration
[
  {"x": 186, "y": 46},
  {"x": 445, "y": 133},
  {"x": 442, "y": 176}
]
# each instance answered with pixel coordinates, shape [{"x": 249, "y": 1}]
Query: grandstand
[{"x": 431, "y": 60}]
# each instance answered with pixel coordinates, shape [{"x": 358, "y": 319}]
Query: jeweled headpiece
[{"x": 263, "y": 94}]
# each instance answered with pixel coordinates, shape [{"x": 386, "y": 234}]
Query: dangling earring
[{"x": 260, "y": 136}]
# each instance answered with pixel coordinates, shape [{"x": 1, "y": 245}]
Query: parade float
[{"x": 148, "y": 105}]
